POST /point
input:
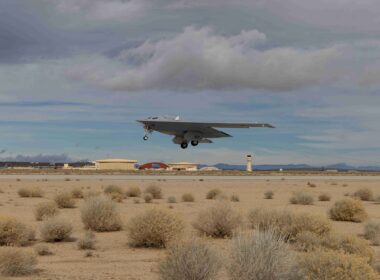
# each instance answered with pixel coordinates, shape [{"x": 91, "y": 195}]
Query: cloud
[{"x": 198, "y": 59}]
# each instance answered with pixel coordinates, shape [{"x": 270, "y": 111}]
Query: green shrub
[
  {"x": 262, "y": 255},
  {"x": 348, "y": 210},
  {"x": 154, "y": 228},
  {"x": 323, "y": 264},
  {"x": 99, "y": 213},
  {"x": 188, "y": 197},
  {"x": 302, "y": 198},
  {"x": 64, "y": 200},
  {"x": 13, "y": 232},
  {"x": 45, "y": 210},
  {"x": 190, "y": 260},
  {"x": 17, "y": 262},
  {"x": 155, "y": 191},
  {"x": 56, "y": 229},
  {"x": 212, "y": 194},
  {"x": 372, "y": 232},
  {"x": 364, "y": 194},
  {"x": 219, "y": 221},
  {"x": 134, "y": 192}
]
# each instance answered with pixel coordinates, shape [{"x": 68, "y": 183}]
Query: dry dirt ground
[{"x": 114, "y": 259}]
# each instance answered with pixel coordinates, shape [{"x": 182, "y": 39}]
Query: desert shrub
[
  {"x": 235, "y": 198},
  {"x": 311, "y": 185},
  {"x": 136, "y": 201},
  {"x": 377, "y": 199},
  {"x": 148, "y": 197},
  {"x": 30, "y": 192},
  {"x": 77, "y": 193},
  {"x": 64, "y": 200},
  {"x": 218, "y": 221},
  {"x": 324, "y": 197},
  {"x": 268, "y": 194},
  {"x": 115, "y": 193},
  {"x": 99, "y": 213},
  {"x": 262, "y": 255},
  {"x": 364, "y": 194},
  {"x": 87, "y": 242},
  {"x": 372, "y": 232},
  {"x": 56, "y": 229},
  {"x": 172, "y": 199},
  {"x": 348, "y": 210},
  {"x": 90, "y": 193},
  {"x": 323, "y": 264},
  {"x": 45, "y": 210},
  {"x": 190, "y": 260},
  {"x": 155, "y": 191},
  {"x": 212, "y": 194},
  {"x": 154, "y": 228},
  {"x": 302, "y": 198},
  {"x": 133, "y": 192},
  {"x": 43, "y": 250},
  {"x": 17, "y": 261},
  {"x": 188, "y": 197},
  {"x": 307, "y": 241},
  {"x": 13, "y": 232},
  {"x": 288, "y": 224}
]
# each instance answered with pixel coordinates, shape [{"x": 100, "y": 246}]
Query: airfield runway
[{"x": 129, "y": 177}]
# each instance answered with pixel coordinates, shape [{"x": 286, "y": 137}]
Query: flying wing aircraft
[{"x": 185, "y": 132}]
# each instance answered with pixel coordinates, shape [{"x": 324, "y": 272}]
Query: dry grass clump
[
  {"x": 45, "y": 210},
  {"x": 154, "y": 228},
  {"x": 43, "y": 250},
  {"x": 324, "y": 197},
  {"x": 218, "y": 221},
  {"x": 302, "y": 198},
  {"x": 87, "y": 242},
  {"x": 77, "y": 193},
  {"x": 115, "y": 193},
  {"x": 234, "y": 198},
  {"x": 288, "y": 224},
  {"x": 372, "y": 232},
  {"x": 99, "y": 213},
  {"x": 148, "y": 198},
  {"x": 30, "y": 192},
  {"x": 172, "y": 199},
  {"x": 188, "y": 197},
  {"x": 155, "y": 191},
  {"x": 56, "y": 229},
  {"x": 212, "y": 194},
  {"x": 260, "y": 255},
  {"x": 268, "y": 195},
  {"x": 364, "y": 194},
  {"x": 323, "y": 264},
  {"x": 64, "y": 200},
  {"x": 348, "y": 210},
  {"x": 17, "y": 262},
  {"x": 13, "y": 232},
  {"x": 133, "y": 192},
  {"x": 190, "y": 260}
]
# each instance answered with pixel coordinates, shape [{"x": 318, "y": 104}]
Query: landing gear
[
  {"x": 194, "y": 143},
  {"x": 184, "y": 145},
  {"x": 145, "y": 137}
]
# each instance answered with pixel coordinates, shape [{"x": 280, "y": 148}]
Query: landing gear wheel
[
  {"x": 184, "y": 145},
  {"x": 145, "y": 138},
  {"x": 194, "y": 143}
]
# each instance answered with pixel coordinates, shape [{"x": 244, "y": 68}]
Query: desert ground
[{"x": 115, "y": 259}]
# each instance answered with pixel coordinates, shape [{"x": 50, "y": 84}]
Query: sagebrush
[
  {"x": 13, "y": 232},
  {"x": 64, "y": 200},
  {"x": 17, "y": 262},
  {"x": 56, "y": 229},
  {"x": 348, "y": 210},
  {"x": 45, "y": 210}
]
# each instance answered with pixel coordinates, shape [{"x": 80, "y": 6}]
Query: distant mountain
[{"x": 338, "y": 166}]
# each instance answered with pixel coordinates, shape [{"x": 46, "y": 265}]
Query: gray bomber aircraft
[{"x": 185, "y": 132}]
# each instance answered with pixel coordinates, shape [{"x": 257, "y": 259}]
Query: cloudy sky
[{"x": 76, "y": 74}]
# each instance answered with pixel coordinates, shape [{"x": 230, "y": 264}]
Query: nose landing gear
[{"x": 145, "y": 137}]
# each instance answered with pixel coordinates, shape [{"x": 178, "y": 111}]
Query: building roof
[
  {"x": 116, "y": 160},
  {"x": 183, "y": 163}
]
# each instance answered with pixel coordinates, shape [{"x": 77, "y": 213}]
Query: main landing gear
[
  {"x": 145, "y": 137},
  {"x": 184, "y": 145},
  {"x": 194, "y": 143}
]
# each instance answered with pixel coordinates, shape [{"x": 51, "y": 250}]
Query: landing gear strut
[
  {"x": 184, "y": 145},
  {"x": 194, "y": 143}
]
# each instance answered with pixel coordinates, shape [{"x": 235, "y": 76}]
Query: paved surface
[{"x": 189, "y": 177}]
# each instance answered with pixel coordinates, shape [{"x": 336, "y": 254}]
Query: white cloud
[{"x": 200, "y": 59}]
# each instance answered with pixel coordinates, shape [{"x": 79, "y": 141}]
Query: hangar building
[
  {"x": 187, "y": 166},
  {"x": 115, "y": 164}
]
